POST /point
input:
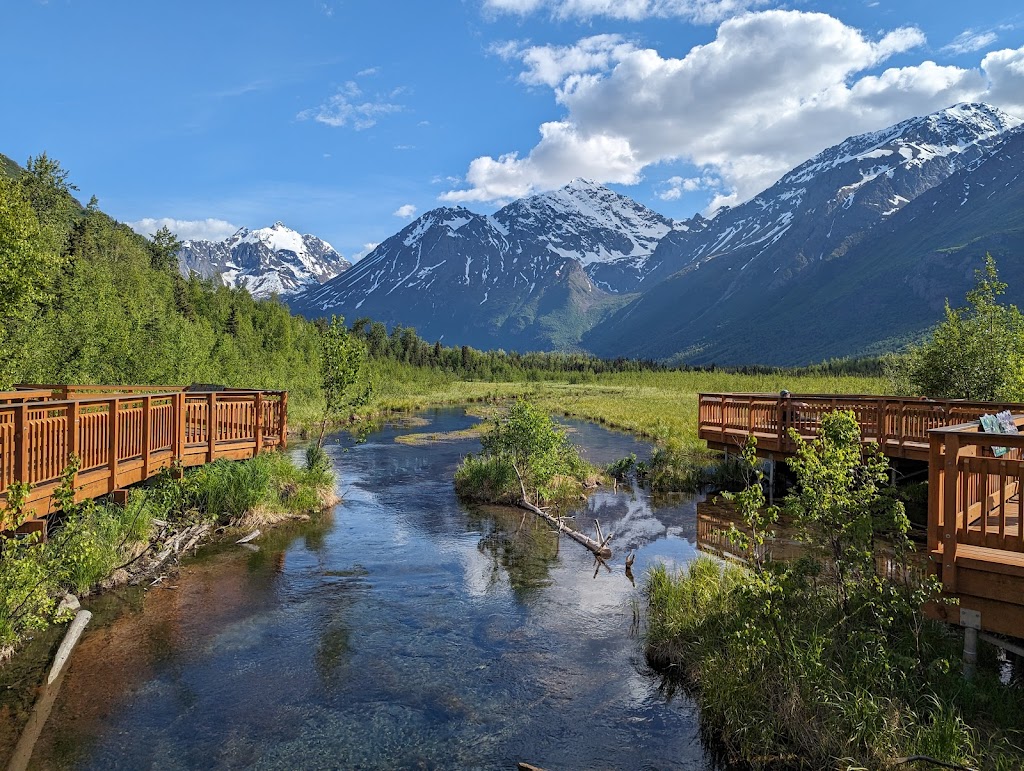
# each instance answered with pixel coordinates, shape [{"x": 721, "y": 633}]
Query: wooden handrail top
[{"x": 232, "y": 395}]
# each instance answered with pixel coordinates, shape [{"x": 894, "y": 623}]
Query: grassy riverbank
[
  {"x": 97, "y": 545},
  {"x": 658, "y": 405}
]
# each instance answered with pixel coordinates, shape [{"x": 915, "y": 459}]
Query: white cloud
[
  {"x": 551, "y": 65},
  {"x": 367, "y": 248},
  {"x": 367, "y": 72},
  {"x": 701, "y": 11},
  {"x": 349, "y": 107},
  {"x": 971, "y": 40},
  {"x": 771, "y": 90},
  {"x": 405, "y": 211},
  {"x": 674, "y": 187},
  {"x": 195, "y": 230}
]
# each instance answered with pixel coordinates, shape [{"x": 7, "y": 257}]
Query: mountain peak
[{"x": 266, "y": 261}]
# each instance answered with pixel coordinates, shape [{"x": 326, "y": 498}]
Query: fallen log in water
[
  {"x": 599, "y": 549},
  {"x": 66, "y": 646}
]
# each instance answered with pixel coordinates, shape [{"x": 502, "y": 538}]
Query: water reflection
[{"x": 407, "y": 631}]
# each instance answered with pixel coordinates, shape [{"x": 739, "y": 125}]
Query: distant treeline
[{"x": 404, "y": 345}]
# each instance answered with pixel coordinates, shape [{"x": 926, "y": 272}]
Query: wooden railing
[
  {"x": 975, "y": 534},
  {"x": 122, "y": 439},
  {"x": 975, "y": 530},
  {"x": 899, "y": 425}
]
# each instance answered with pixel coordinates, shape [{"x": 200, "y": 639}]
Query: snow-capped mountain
[
  {"x": 267, "y": 261},
  {"x": 816, "y": 213},
  {"x": 455, "y": 274},
  {"x": 611, "y": 235},
  {"x": 586, "y": 266},
  {"x": 521, "y": 276}
]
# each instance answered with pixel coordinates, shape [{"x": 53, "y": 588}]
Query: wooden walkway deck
[
  {"x": 124, "y": 435},
  {"x": 975, "y": 543}
]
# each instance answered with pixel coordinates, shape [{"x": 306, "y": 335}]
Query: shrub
[
  {"x": 536, "y": 449},
  {"x": 823, "y": 661},
  {"x": 487, "y": 479}
]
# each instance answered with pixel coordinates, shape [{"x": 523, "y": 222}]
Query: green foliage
[
  {"x": 536, "y": 447},
  {"x": 230, "y": 489},
  {"x": 826, "y": 660},
  {"x": 487, "y": 480},
  {"x": 342, "y": 370},
  {"x": 28, "y": 263},
  {"x": 977, "y": 352},
  {"x": 751, "y": 502},
  {"x": 26, "y": 590}
]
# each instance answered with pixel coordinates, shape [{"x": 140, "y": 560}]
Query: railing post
[
  {"x": 147, "y": 428},
  {"x": 179, "y": 426},
  {"x": 283, "y": 442},
  {"x": 21, "y": 443},
  {"x": 211, "y": 426},
  {"x": 113, "y": 435},
  {"x": 259, "y": 422},
  {"x": 951, "y": 511},
  {"x": 936, "y": 477},
  {"x": 74, "y": 448}
]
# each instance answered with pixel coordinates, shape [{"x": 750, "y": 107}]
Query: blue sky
[{"x": 345, "y": 118}]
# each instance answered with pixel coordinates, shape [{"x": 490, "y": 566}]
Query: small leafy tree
[
  {"x": 756, "y": 516},
  {"x": 342, "y": 365},
  {"x": 976, "y": 352},
  {"x": 525, "y": 455},
  {"x": 164, "y": 247},
  {"x": 534, "y": 444},
  {"x": 843, "y": 503}
]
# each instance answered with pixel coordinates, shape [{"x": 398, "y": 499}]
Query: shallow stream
[{"x": 406, "y": 630}]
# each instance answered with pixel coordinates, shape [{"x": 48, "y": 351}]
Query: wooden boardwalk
[
  {"x": 975, "y": 543},
  {"x": 124, "y": 435}
]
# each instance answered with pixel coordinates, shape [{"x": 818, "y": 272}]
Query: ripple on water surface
[{"x": 404, "y": 631}]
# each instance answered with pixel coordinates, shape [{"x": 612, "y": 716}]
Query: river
[{"x": 405, "y": 630}]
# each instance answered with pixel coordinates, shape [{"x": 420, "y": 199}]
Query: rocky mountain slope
[
  {"x": 536, "y": 274},
  {"x": 268, "y": 261}
]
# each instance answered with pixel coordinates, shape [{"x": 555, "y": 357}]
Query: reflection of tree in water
[
  {"x": 334, "y": 636},
  {"x": 333, "y": 649},
  {"x": 518, "y": 542}
]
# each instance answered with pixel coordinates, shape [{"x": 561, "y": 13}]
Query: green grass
[
  {"x": 657, "y": 405},
  {"x": 781, "y": 689}
]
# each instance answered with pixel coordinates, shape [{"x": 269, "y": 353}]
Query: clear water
[{"x": 405, "y": 631}]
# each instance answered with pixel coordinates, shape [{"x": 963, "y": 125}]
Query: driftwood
[
  {"x": 600, "y": 550},
  {"x": 253, "y": 534},
  {"x": 68, "y": 644}
]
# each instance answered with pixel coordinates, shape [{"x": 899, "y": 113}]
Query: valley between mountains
[{"x": 853, "y": 252}]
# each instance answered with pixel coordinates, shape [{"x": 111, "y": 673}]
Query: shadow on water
[{"x": 404, "y": 631}]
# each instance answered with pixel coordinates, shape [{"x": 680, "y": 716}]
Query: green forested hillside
[{"x": 84, "y": 299}]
